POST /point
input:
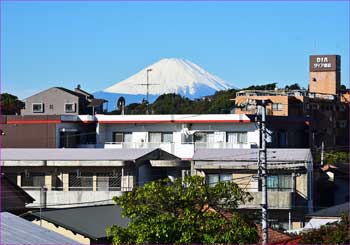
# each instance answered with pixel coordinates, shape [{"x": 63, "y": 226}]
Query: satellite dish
[{"x": 121, "y": 104}]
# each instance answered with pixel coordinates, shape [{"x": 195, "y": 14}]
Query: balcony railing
[
  {"x": 276, "y": 200},
  {"x": 196, "y": 145}
]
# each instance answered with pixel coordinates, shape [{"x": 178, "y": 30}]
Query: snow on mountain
[
  {"x": 171, "y": 76},
  {"x": 178, "y": 76}
]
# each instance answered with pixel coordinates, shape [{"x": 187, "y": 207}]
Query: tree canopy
[
  {"x": 183, "y": 211},
  {"x": 10, "y": 105}
]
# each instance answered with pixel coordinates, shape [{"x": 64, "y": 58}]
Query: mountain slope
[{"x": 178, "y": 76}]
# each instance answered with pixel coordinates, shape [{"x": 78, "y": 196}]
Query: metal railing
[{"x": 197, "y": 145}]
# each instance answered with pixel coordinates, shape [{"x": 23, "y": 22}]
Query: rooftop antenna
[
  {"x": 147, "y": 84},
  {"x": 121, "y": 105}
]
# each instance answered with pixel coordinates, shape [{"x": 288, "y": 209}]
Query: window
[
  {"x": 342, "y": 108},
  {"x": 167, "y": 137},
  {"x": 69, "y": 107},
  {"x": 157, "y": 137},
  {"x": 213, "y": 179},
  {"x": 237, "y": 137},
  {"x": 342, "y": 123},
  {"x": 33, "y": 181},
  {"x": 277, "y": 107},
  {"x": 80, "y": 181},
  {"x": 38, "y": 107},
  {"x": 51, "y": 107},
  {"x": 109, "y": 181},
  {"x": 280, "y": 182},
  {"x": 283, "y": 138},
  {"x": 120, "y": 137},
  {"x": 203, "y": 137}
]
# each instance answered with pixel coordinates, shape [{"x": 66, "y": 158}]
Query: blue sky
[{"x": 97, "y": 44}]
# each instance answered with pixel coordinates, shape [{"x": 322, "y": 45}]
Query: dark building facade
[{"x": 41, "y": 131}]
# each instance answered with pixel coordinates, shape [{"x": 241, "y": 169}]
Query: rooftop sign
[{"x": 324, "y": 62}]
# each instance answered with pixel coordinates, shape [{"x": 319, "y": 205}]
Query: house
[
  {"x": 86, "y": 176},
  {"x": 290, "y": 184},
  {"x": 85, "y": 225},
  {"x": 13, "y": 198},
  {"x": 16, "y": 230},
  {"x": 327, "y": 215},
  {"x": 62, "y": 101},
  {"x": 332, "y": 186}
]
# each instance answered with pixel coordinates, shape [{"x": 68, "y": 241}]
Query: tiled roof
[{"x": 274, "y": 237}]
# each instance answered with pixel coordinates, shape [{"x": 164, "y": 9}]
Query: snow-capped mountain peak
[{"x": 171, "y": 75}]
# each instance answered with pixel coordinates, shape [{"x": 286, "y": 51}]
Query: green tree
[
  {"x": 338, "y": 233},
  {"x": 183, "y": 211},
  {"x": 334, "y": 157},
  {"x": 294, "y": 86},
  {"x": 269, "y": 86},
  {"x": 10, "y": 105}
]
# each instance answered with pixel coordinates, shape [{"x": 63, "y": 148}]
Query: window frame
[
  {"x": 239, "y": 137},
  {"x": 37, "y": 111},
  {"x": 219, "y": 176},
  {"x": 277, "y": 107},
  {"x": 69, "y": 111},
  {"x": 123, "y": 137},
  {"x": 279, "y": 181},
  {"x": 161, "y": 136}
]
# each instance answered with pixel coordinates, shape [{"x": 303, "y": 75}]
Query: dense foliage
[
  {"x": 338, "y": 233},
  {"x": 269, "y": 86},
  {"x": 334, "y": 157},
  {"x": 10, "y": 105},
  {"x": 183, "y": 211}
]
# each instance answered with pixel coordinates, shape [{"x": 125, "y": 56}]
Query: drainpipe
[{"x": 43, "y": 200}]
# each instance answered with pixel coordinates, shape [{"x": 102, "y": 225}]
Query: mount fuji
[{"x": 166, "y": 76}]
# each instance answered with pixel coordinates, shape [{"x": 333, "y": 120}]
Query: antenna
[{"x": 147, "y": 84}]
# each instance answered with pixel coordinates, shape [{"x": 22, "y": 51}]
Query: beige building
[
  {"x": 85, "y": 176},
  {"x": 324, "y": 108},
  {"x": 289, "y": 183}
]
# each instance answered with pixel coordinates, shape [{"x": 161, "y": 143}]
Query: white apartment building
[{"x": 179, "y": 135}]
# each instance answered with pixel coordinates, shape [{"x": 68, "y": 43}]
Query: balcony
[
  {"x": 276, "y": 200},
  {"x": 65, "y": 199},
  {"x": 181, "y": 150}
]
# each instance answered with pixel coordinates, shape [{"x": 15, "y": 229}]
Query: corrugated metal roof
[
  {"x": 251, "y": 155},
  {"x": 21, "y": 154},
  {"x": 15, "y": 230},
  {"x": 88, "y": 221}
]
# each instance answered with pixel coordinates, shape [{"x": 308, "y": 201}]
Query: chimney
[{"x": 78, "y": 86}]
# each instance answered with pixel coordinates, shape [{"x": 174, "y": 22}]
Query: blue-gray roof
[
  {"x": 88, "y": 221},
  {"x": 334, "y": 211},
  {"x": 15, "y": 230}
]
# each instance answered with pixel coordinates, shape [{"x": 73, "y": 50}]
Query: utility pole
[
  {"x": 262, "y": 166},
  {"x": 322, "y": 153},
  {"x": 262, "y": 162}
]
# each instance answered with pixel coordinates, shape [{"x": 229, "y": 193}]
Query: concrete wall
[
  {"x": 276, "y": 200},
  {"x": 279, "y": 99},
  {"x": 327, "y": 82},
  {"x": 67, "y": 233},
  {"x": 54, "y": 97}
]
